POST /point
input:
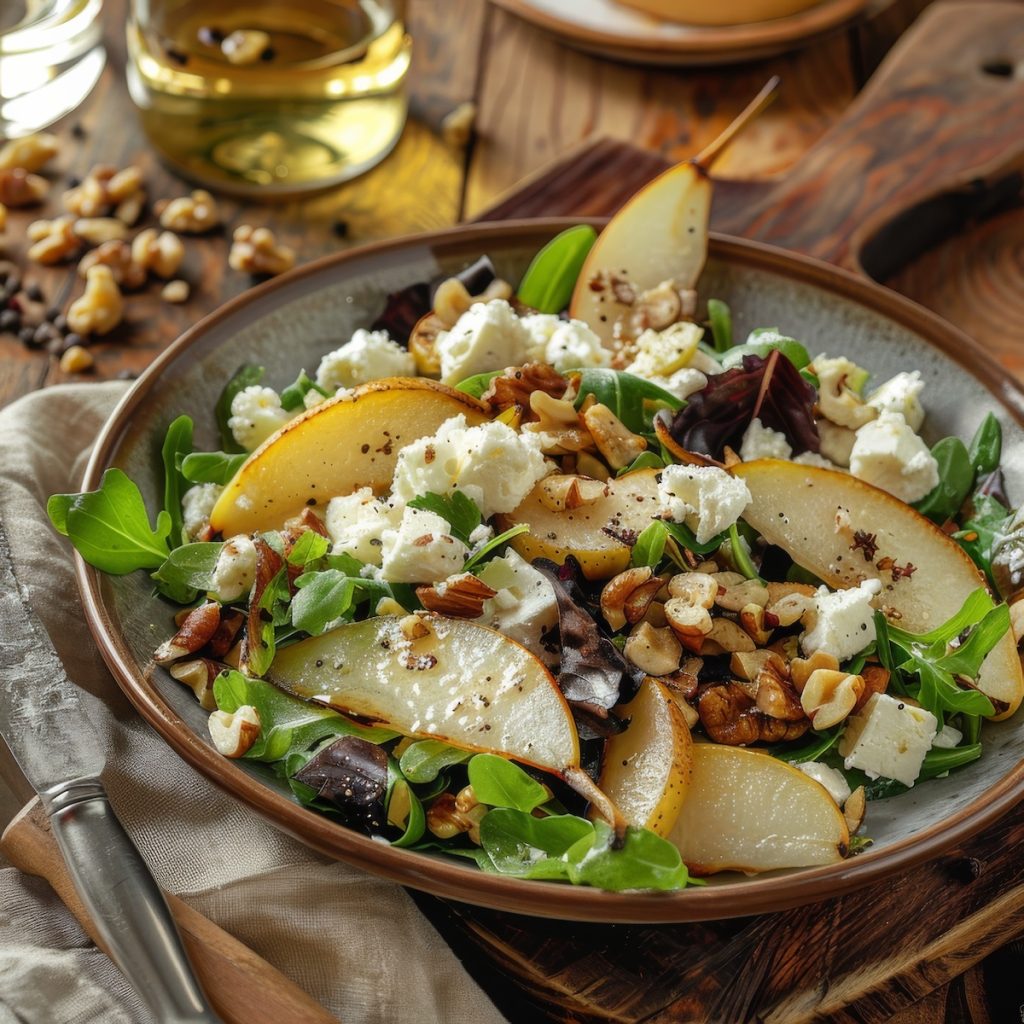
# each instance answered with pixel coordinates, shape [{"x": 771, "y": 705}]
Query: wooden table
[{"x": 535, "y": 101}]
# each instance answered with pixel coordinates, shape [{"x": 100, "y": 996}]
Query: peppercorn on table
[{"x": 123, "y": 255}]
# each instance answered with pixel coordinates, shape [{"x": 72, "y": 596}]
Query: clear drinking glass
[
  {"x": 51, "y": 55},
  {"x": 269, "y": 97}
]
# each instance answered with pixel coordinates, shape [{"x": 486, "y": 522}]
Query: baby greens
[{"x": 548, "y": 283}]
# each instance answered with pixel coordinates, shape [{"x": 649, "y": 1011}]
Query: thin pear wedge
[
  {"x": 748, "y": 811},
  {"x": 661, "y": 234},
  {"x": 844, "y": 531},
  {"x": 349, "y": 441},
  {"x": 458, "y": 682},
  {"x": 647, "y": 768},
  {"x": 590, "y": 533}
]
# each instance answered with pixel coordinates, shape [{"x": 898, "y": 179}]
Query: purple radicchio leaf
[
  {"x": 594, "y": 676},
  {"x": 406, "y": 307},
  {"x": 352, "y": 774},
  {"x": 769, "y": 389}
]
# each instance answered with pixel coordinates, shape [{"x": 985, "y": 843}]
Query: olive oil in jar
[{"x": 269, "y": 97}]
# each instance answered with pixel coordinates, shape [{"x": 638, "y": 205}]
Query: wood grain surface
[{"x": 537, "y": 101}]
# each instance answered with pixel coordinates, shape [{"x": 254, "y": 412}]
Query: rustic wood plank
[
  {"x": 417, "y": 188},
  {"x": 539, "y": 98}
]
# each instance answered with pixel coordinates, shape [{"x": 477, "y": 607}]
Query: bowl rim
[{"x": 455, "y": 881}]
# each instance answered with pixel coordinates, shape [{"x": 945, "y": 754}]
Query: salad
[{"x": 562, "y": 578}]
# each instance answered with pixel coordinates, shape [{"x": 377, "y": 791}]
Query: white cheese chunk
[
  {"x": 661, "y": 353},
  {"x": 369, "y": 355},
  {"x": 564, "y": 344},
  {"x": 831, "y": 778},
  {"x": 235, "y": 571},
  {"x": 761, "y": 442},
  {"x": 491, "y": 464},
  {"x": 888, "y": 454},
  {"x": 256, "y": 413},
  {"x": 888, "y": 738},
  {"x": 814, "y": 459},
  {"x": 356, "y": 523},
  {"x": 843, "y": 620},
  {"x": 836, "y": 442},
  {"x": 196, "y": 507},
  {"x": 947, "y": 738},
  {"x": 524, "y": 607},
  {"x": 706, "y": 498},
  {"x": 421, "y": 550},
  {"x": 683, "y": 383},
  {"x": 488, "y": 336},
  {"x": 837, "y": 398},
  {"x": 901, "y": 394}
]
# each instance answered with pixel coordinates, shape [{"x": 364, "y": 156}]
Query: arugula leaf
[
  {"x": 720, "y": 318},
  {"x": 645, "y": 460},
  {"x": 682, "y": 534},
  {"x": 741, "y": 556},
  {"x": 294, "y": 396},
  {"x": 634, "y": 400},
  {"x": 761, "y": 342},
  {"x": 478, "y": 383},
  {"x": 326, "y": 596},
  {"x": 821, "y": 743},
  {"x": 956, "y": 478},
  {"x": 287, "y": 725},
  {"x": 986, "y": 446},
  {"x": 500, "y": 783},
  {"x": 462, "y": 512},
  {"x": 110, "y": 528},
  {"x": 245, "y": 376},
  {"x": 310, "y": 547},
  {"x": 528, "y": 847},
  {"x": 644, "y": 861},
  {"x": 928, "y": 656},
  {"x": 493, "y": 544},
  {"x": 650, "y": 545},
  {"x": 424, "y": 760},
  {"x": 938, "y": 761},
  {"x": 211, "y": 467},
  {"x": 177, "y": 444},
  {"x": 190, "y": 566},
  {"x": 404, "y": 810},
  {"x": 548, "y": 283}
]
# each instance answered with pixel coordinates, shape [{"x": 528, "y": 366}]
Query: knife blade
[{"x": 46, "y": 728}]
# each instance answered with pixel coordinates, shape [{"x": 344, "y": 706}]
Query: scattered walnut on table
[
  {"x": 193, "y": 214},
  {"x": 101, "y": 307},
  {"x": 176, "y": 291},
  {"x": 53, "y": 240},
  {"x": 105, "y": 189},
  {"x": 117, "y": 255},
  {"x": 21, "y": 188},
  {"x": 97, "y": 230},
  {"x": 159, "y": 252},
  {"x": 28, "y": 153},
  {"x": 76, "y": 360},
  {"x": 257, "y": 251}
]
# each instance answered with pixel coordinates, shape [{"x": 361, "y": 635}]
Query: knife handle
[{"x": 124, "y": 901}]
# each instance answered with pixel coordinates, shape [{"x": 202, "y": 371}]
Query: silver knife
[{"x": 57, "y": 748}]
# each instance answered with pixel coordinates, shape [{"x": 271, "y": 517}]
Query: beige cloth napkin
[{"x": 354, "y": 942}]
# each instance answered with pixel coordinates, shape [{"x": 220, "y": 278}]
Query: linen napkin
[{"x": 356, "y": 943}]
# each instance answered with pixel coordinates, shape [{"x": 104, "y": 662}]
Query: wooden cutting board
[{"x": 933, "y": 148}]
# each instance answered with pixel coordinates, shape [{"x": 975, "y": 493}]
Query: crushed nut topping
[
  {"x": 257, "y": 251},
  {"x": 459, "y": 597}
]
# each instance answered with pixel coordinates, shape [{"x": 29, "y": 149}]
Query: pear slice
[
  {"x": 458, "y": 682},
  {"x": 748, "y": 811},
  {"x": 647, "y": 768},
  {"x": 591, "y": 533},
  {"x": 661, "y": 234},
  {"x": 349, "y": 441},
  {"x": 830, "y": 523}
]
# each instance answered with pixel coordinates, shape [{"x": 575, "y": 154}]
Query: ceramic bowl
[{"x": 291, "y": 321}]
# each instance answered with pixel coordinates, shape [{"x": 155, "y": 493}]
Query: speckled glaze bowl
[{"x": 291, "y": 321}]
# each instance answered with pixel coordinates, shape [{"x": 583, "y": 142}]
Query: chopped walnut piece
[
  {"x": 233, "y": 733},
  {"x": 619, "y": 589},
  {"x": 854, "y": 808},
  {"x": 735, "y": 595},
  {"x": 618, "y": 445},
  {"x": 97, "y": 230},
  {"x": 729, "y": 715},
  {"x": 691, "y": 623},
  {"x": 106, "y": 189},
  {"x": 449, "y": 816},
  {"x": 654, "y": 651},
  {"x": 28, "y": 153},
  {"x": 829, "y": 696},
  {"x": 755, "y": 623},
  {"x": 775, "y": 694},
  {"x": 198, "y": 675},
  {"x": 194, "y": 632},
  {"x": 193, "y": 214},
  {"x": 117, "y": 255},
  {"x": 876, "y": 680},
  {"x": 76, "y": 360},
  {"x": 451, "y": 300},
  {"x": 564, "y": 492},
  {"x": 515, "y": 385},
  {"x": 459, "y": 597},
  {"x": 800, "y": 669},
  {"x": 697, "y": 588},
  {"x": 20, "y": 188},
  {"x": 726, "y": 637},
  {"x": 256, "y": 251}
]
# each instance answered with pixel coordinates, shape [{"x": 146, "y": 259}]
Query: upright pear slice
[
  {"x": 844, "y": 531},
  {"x": 748, "y": 811},
  {"x": 660, "y": 234},
  {"x": 593, "y": 534},
  {"x": 647, "y": 767},
  {"x": 462, "y": 683},
  {"x": 347, "y": 442}
]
